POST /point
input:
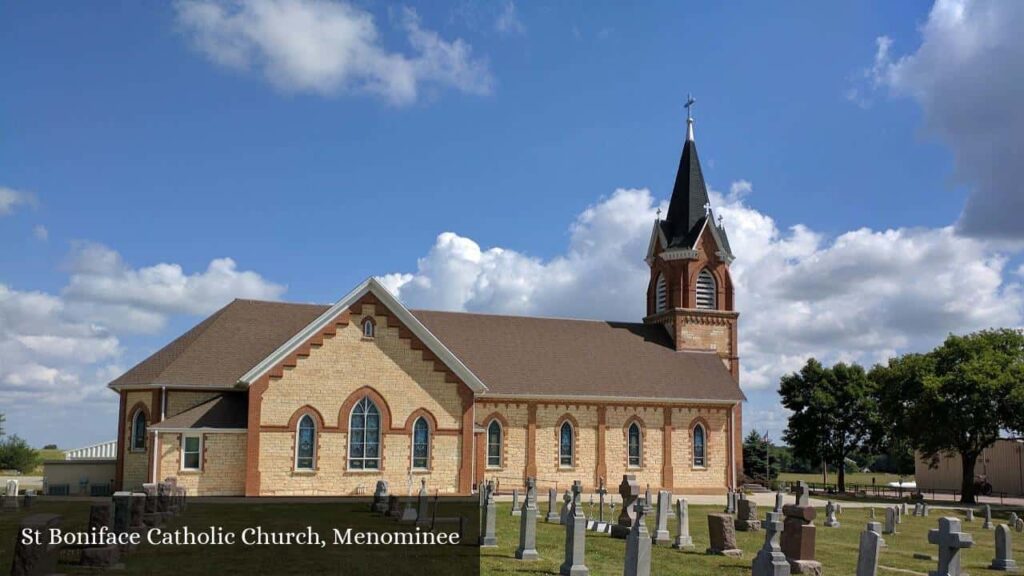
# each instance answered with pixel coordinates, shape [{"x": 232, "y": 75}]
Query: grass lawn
[
  {"x": 836, "y": 547},
  {"x": 862, "y": 478}
]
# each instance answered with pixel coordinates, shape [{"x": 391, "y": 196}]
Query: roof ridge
[{"x": 524, "y": 316}]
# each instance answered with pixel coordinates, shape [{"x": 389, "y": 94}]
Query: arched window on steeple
[
  {"x": 706, "y": 291},
  {"x": 660, "y": 294}
]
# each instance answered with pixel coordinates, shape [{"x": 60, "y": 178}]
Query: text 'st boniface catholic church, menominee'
[{"x": 270, "y": 398}]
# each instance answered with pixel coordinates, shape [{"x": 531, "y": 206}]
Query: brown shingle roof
[
  {"x": 512, "y": 355},
  {"x": 524, "y": 356},
  {"x": 220, "y": 349},
  {"x": 229, "y": 410}
]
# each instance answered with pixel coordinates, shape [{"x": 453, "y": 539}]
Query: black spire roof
[{"x": 686, "y": 211}]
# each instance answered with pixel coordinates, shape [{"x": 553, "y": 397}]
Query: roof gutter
[{"x": 579, "y": 398}]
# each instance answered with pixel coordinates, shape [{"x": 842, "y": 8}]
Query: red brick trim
[
  {"x": 567, "y": 417},
  {"x": 252, "y": 445},
  {"x": 531, "y": 440},
  {"x": 362, "y": 327},
  {"x": 601, "y": 470},
  {"x": 667, "y": 470},
  {"x": 382, "y": 406},
  {"x": 121, "y": 444},
  {"x": 635, "y": 419},
  {"x": 293, "y": 422}
]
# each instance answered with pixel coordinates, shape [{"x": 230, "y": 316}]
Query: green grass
[
  {"x": 836, "y": 547},
  {"x": 46, "y": 454},
  {"x": 862, "y": 478}
]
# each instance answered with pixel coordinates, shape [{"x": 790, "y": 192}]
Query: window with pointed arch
[
  {"x": 369, "y": 330},
  {"x": 707, "y": 290},
  {"x": 635, "y": 445},
  {"x": 565, "y": 434},
  {"x": 139, "y": 430},
  {"x": 660, "y": 294},
  {"x": 699, "y": 446},
  {"x": 305, "y": 444},
  {"x": 364, "y": 436},
  {"x": 494, "y": 433},
  {"x": 421, "y": 444}
]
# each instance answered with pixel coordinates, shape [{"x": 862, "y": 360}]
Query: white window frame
[
  {"x": 380, "y": 438},
  {"x": 298, "y": 438},
  {"x": 501, "y": 444},
  {"x": 572, "y": 445},
  {"x": 185, "y": 452},
  {"x": 412, "y": 445}
]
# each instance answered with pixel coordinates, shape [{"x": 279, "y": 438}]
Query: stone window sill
[
  {"x": 363, "y": 471},
  {"x": 190, "y": 472},
  {"x": 635, "y": 467},
  {"x": 699, "y": 468},
  {"x": 303, "y": 472},
  {"x": 420, "y": 471},
  {"x": 495, "y": 468}
]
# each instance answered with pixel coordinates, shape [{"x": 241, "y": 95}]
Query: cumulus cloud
[
  {"x": 508, "y": 21},
  {"x": 325, "y": 47},
  {"x": 968, "y": 79},
  {"x": 11, "y": 199},
  {"x": 860, "y": 296}
]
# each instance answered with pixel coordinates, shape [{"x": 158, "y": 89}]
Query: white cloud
[
  {"x": 968, "y": 79},
  {"x": 102, "y": 288},
  {"x": 326, "y": 47},
  {"x": 40, "y": 232},
  {"x": 10, "y": 199},
  {"x": 508, "y": 21},
  {"x": 861, "y": 296}
]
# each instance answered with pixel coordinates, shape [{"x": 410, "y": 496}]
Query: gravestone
[
  {"x": 138, "y": 511},
  {"x": 917, "y": 509},
  {"x": 423, "y": 504},
  {"x": 490, "y": 539},
  {"x": 527, "y": 549},
  {"x": 890, "y": 520},
  {"x": 683, "y": 539},
  {"x": 552, "y": 498},
  {"x": 903, "y": 512},
  {"x": 830, "y": 515},
  {"x": 872, "y": 515},
  {"x": 380, "y": 497},
  {"x": 122, "y": 511},
  {"x": 770, "y": 560},
  {"x": 163, "y": 500},
  {"x": 730, "y": 502},
  {"x": 31, "y": 559},
  {"x": 648, "y": 501},
  {"x": 395, "y": 506},
  {"x": 780, "y": 501},
  {"x": 30, "y": 497},
  {"x": 601, "y": 492},
  {"x": 1013, "y": 520},
  {"x": 100, "y": 516},
  {"x": 798, "y": 538},
  {"x": 987, "y": 525},
  {"x": 746, "y": 516},
  {"x": 950, "y": 541},
  {"x": 563, "y": 516},
  {"x": 868, "y": 552},
  {"x": 515, "y": 502},
  {"x": 1004, "y": 550},
  {"x": 876, "y": 527},
  {"x": 722, "y": 532},
  {"x": 924, "y": 509},
  {"x": 152, "y": 516},
  {"x": 661, "y": 535},
  {"x": 11, "y": 494},
  {"x": 629, "y": 490},
  {"x": 802, "y": 494},
  {"x": 575, "y": 534},
  {"x": 638, "y": 543},
  {"x": 969, "y": 515}
]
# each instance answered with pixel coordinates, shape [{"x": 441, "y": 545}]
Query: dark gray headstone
[
  {"x": 638, "y": 543},
  {"x": 868, "y": 552},
  {"x": 36, "y": 559},
  {"x": 950, "y": 541},
  {"x": 629, "y": 490},
  {"x": 575, "y": 536},
  {"x": 552, "y": 506},
  {"x": 122, "y": 511},
  {"x": 890, "y": 520},
  {"x": 987, "y": 525},
  {"x": 490, "y": 539},
  {"x": 527, "y": 549}
]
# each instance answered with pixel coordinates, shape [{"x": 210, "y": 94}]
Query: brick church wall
[
  {"x": 223, "y": 464},
  {"x": 136, "y": 463}
]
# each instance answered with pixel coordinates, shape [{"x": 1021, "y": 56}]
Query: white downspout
[
  {"x": 732, "y": 445},
  {"x": 156, "y": 455},
  {"x": 163, "y": 403}
]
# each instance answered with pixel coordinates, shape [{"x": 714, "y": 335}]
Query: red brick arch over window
[
  {"x": 376, "y": 398},
  {"x": 635, "y": 419},
  {"x": 362, "y": 326},
  {"x": 575, "y": 440},
  {"x": 293, "y": 422},
  {"x": 411, "y": 420}
]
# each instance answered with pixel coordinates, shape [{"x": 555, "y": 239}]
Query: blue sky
[{"x": 140, "y": 134}]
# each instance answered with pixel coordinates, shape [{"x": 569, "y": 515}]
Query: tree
[
  {"x": 759, "y": 458},
  {"x": 834, "y": 413},
  {"x": 955, "y": 399},
  {"x": 16, "y": 454},
  {"x": 2, "y": 424}
]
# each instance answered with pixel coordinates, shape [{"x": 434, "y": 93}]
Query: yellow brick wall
[
  {"x": 325, "y": 379},
  {"x": 223, "y": 467},
  {"x": 713, "y": 475},
  {"x": 548, "y": 468},
  {"x": 653, "y": 443},
  {"x": 136, "y": 464},
  {"x": 180, "y": 400},
  {"x": 513, "y": 462}
]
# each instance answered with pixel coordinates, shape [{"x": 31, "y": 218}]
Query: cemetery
[{"x": 863, "y": 538}]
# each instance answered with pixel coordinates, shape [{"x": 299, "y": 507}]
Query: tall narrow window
[
  {"x": 494, "y": 444},
  {"x": 660, "y": 294},
  {"x": 364, "y": 436},
  {"x": 699, "y": 448},
  {"x": 635, "y": 444},
  {"x": 139, "y": 431},
  {"x": 565, "y": 445},
  {"x": 191, "y": 452},
  {"x": 305, "y": 444},
  {"x": 706, "y": 290},
  {"x": 368, "y": 328},
  {"x": 420, "y": 444}
]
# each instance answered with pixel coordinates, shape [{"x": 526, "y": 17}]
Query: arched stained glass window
[
  {"x": 421, "y": 444},
  {"x": 364, "y": 436},
  {"x": 305, "y": 444},
  {"x": 635, "y": 445},
  {"x": 565, "y": 445}
]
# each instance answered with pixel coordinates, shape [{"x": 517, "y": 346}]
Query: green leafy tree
[
  {"x": 759, "y": 458},
  {"x": 1, "y": 424},
  {"x": 955, "y": 399},
  {"x": 834, "y": 413},
  {"x": 16, "y": 454}
]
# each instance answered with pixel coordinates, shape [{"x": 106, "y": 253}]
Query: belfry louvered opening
[{"x": 706, "y": 290}]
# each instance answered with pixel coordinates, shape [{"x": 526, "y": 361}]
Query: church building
[{"x": 277, "y": 399}]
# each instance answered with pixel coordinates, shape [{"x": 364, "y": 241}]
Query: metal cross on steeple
[
  {"x": 707, "y": 208},
  {"x": 690, "y": 101}
]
